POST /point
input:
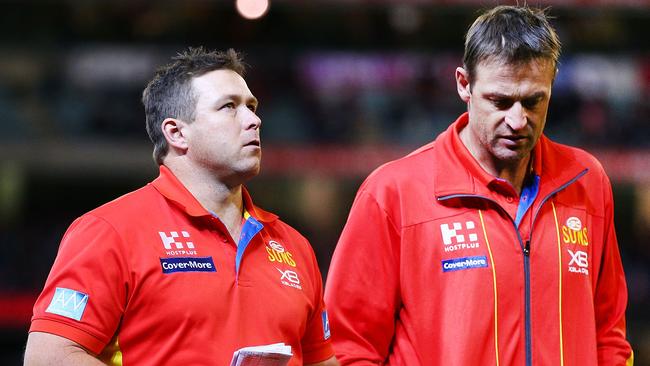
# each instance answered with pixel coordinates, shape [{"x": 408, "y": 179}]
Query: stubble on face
[
  {"x": 507, "y": 112},
  {"x": 225, "y": 132}
]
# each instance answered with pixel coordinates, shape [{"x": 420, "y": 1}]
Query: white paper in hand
[{"x": 277, "y": 354}]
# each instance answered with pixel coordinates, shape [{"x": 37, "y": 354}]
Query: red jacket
[{"x": 431, "y": 268}]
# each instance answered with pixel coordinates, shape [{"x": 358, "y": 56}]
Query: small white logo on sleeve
[{"x": 68, "y": 303}]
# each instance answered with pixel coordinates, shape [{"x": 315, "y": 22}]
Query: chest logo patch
[
  {"x": 289, "y": 278},
  {"x": 457, "y": 264},
  {"x": 578, "y": 263},
  {"x": 187, "y": 264},
  {"x": 458, "y": 235},
  {"x": 278, "y": 254},
  {"x": 177, "y": 244},
  {"x": 573, "y": 232}
]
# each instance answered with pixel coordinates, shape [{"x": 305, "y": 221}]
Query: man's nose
[
  {"x": 251, "y": 119},
  {"x": 517, "y": 117}
]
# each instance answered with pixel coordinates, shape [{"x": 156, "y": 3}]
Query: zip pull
[{"x": 527, "y": 248}]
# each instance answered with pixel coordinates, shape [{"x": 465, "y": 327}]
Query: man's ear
[
  {"x": 174, "y": 131},
  {"x": 462, "y": 84}
]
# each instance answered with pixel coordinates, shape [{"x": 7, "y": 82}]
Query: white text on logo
[
  {"x": 455, "y": 237},
  {"x": 180, "y": 246},
  {"x": 574, "y": 233},
  {"x": 289, "y": 278},
  {"x": 578, "y": 262}
]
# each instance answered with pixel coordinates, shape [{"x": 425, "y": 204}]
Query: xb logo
[
  {"x": 289, "y": 275},
  {"x": 578, "y": 258}
]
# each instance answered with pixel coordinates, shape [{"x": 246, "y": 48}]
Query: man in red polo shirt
[{"x": 186, "y": 270}]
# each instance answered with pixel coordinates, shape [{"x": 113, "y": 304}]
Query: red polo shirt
[{"x": 152, "y": 278}]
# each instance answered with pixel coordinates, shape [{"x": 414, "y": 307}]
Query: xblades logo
[
  {"x": 579, "y": 262},
  {"x": 289, "y": 278}
]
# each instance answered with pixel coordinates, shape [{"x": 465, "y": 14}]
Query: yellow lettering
[
  {"x": 289, "y": 260},
  {"x": 280, "y": 257},
  {"x": 585, "y": 238},
  {"x": 565, "y": 234},
  {"x": 271, "y": 256},
  {"x": 277, "y": 256}
]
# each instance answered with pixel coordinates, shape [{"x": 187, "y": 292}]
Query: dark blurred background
[{"x": 344, "y": 85}]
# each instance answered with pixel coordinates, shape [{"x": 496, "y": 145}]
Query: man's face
[
  {"x": 507, "y": 107},
  {"x": 224, "y": 136}
]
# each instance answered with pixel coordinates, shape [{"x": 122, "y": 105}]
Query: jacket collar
[
  {"x": 172, "y": 189},
  {"x": 456, "y": 171}
]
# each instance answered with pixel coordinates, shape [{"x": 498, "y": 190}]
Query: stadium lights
[{"x": 252, "y": 9}]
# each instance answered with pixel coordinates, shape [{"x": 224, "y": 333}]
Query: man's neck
[
  {"x": 214, "y": 195},
  {"x": 515, "y": 172}
]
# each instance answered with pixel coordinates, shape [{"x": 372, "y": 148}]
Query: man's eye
[
  {"x": 502, "y": 103},
  {"x": 252, "y": 107},
  {"x": 228, "y": 106},
  {"x": 530, "y": 103}
]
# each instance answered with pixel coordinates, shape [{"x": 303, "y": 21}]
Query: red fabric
[
  {"x": 392, "y": 301},
  {"x": 114, "y": 253}
]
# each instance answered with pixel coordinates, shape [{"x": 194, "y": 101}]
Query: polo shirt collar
[{"x": 172, "y": 189}]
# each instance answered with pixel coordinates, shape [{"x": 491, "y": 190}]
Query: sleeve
[
  {"x": 362, "y": 292},
  {"x": 316, "y": 344},
  {"x": 85, "y": 293},
  {"x": 610, "y": 297}
]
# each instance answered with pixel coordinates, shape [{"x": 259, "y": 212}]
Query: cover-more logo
[
  {"x": 579, "y": 262},
  {"x": 458, "y": 235},
  {"x": 574, "y": 233},
  {"x": 174, "y": 245},
  {"x": 289, "y": 278}
]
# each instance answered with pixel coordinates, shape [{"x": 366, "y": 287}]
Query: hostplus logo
[
  {"x": 177, "y": 244},
  {"x": 458, "y": 235}
]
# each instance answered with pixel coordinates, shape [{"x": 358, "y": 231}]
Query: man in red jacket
[
  {"x": 492, "y": 245},
  {"x": 186, "y": 270}
]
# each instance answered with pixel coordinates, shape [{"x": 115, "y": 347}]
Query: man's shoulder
[
  {"x": 414, "y": 163},
  {"x": 124, "y": 208},
  {"x": 282, "y": 230},
  {"x": 570, "y": 156}
]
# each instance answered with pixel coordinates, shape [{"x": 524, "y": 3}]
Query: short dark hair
[
  {"x": 513, "y": 34},
  {"x": 169, "y": 94}
]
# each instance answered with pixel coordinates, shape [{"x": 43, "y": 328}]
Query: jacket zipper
[
  {"x": 525, "y": 248},
  {"x": 527, "y": 310}
]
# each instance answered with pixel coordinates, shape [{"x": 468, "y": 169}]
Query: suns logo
[
  {"x": 574, "y": 233},
  {"x": 277, "y": 253}
]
